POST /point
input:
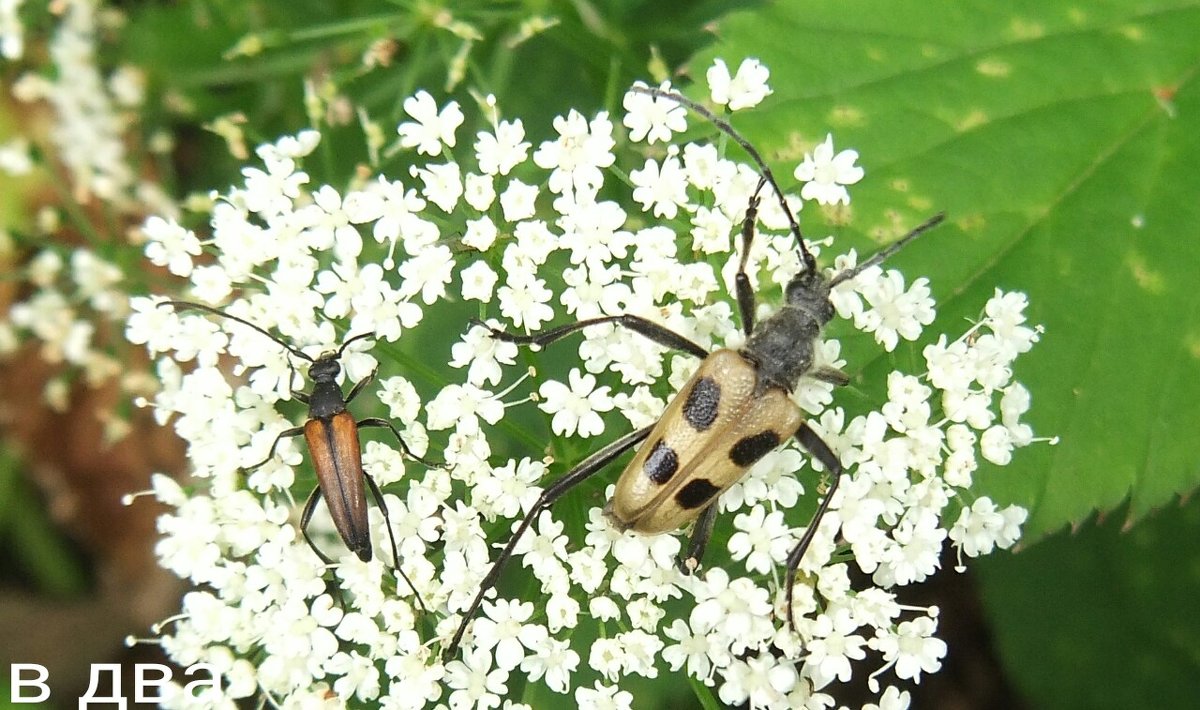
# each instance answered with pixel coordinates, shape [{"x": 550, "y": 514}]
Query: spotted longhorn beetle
[
  {"x": 735, "y": 409},
  {"x": 332, "y": 437}
]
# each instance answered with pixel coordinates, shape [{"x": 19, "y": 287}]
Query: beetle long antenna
[
  {"x": 810, "y": 262},
  {"x": 218, "y": 312},
  {"x": 349, "y": 340},
  {"x": 890, "y": 249}
]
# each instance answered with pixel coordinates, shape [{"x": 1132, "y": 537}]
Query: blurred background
[{"x": 1062, "y": 141}]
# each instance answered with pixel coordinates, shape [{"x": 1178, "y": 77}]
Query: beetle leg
[
  {"x": 358, "y": 386},
  {"x": 701, "y": 533},
  {"x": 305, "y": 516},
  {"x": 392, "y": 537},
  {"x": 583, "y": 471},
  {"x": 814, "y": 445},
  {"x": 383, "y": 423},
  {"x": 649, "y": 329},
  {"x": 298, "y": 395},
  {"x": 832, "y": 375},
  {"x": 745, "y": 294},
  {"x": 285, "y": 434}
]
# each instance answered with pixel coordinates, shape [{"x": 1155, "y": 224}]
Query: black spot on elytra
[
  {"x": 696, "y": 493},
  {"x": 661, "y": 463},
  {"x": 700, "y": 409},
  {"x": 752, "y": 448}
]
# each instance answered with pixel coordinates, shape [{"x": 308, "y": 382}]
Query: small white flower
[
  {"x": 604, "y": 608},
  {"x": 1006, "y": 314},
  {"x": 641, "y": 652},
  {"x": 462, "y": 406},
  {"x": 170, "y": 245},
  {"x": 760, "y": 681},
  {"x": 544, "y": 549},
  {"x": 915, "y": 555},
  {"x": 553, "y": 659},
  {"x": 662, "y": 187},
  {"x": 503, "y": 627},
  {"x": 211, "y": 284},
  {"x": 401, "y": 398},
  {"x": 432, "y": 128},
  {"x": 396, "y": 212},
  {"x": 892, "y": 699},
  {"x": 593, "y": 232},
  {"x": 833, "y": 646},
  {"x": 478, "y": 281},
  {"x": 695, "y": 650},
  {"x": 479, "y": 191},
  {"x": 45, "y": 268},
  {"x": 651, "y": 118},
  {"x": 295, "y": 147},
  {"x": 474, "y": 683},
  {"x": 912, "y": 648},
  {"x": 894, "y": 312},
  {"x": 442, "y": 185},
  {"x": 519, "y": 201},
  {"x": 427, "y": 273},
  {"x": 576, "y": 408},
  {"x": 603, "y": 697},
  {"x": 825, "y": 174},
  {"x": 484, "y": 354},
  {"x": 1014, "y": 517},
  {"x": 270, "y": 192},
  {"x": 996, "y": 445},
  {"x": 481, "y": 233},
  {"x": 607, "y": 658},
  {"x": 420, "y": 681},
  {"x": 976, "y": 527},
  {"x": 947, "y": 365},
  {"x": 761, "y": 540},
  {"x": 358, "y": 676},
  {"x": 523, "y": 300},
  {"x": 582, "y": 149},
  {"x": 745, "y": 90},
  {"x": 710, "y": 230},
  {"x": 499, "y": 153}
]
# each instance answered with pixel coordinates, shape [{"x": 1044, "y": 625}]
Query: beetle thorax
[{"x": 782, "y": 346}]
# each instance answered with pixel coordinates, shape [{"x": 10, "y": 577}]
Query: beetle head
[
  {"x": 809, "y": 291},
  {"x": 326, "y": 368}
]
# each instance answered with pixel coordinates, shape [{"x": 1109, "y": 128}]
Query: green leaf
[
  {"x": 1061, "y": 142},
  {"x": 1113, "y": 625}
]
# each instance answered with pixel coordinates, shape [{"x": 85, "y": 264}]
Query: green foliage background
[{"x": 1061, "y": 139}]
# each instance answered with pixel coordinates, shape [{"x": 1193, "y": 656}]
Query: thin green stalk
[{"x": 704, "y": 694}]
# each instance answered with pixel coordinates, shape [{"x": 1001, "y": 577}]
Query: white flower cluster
[
  {"x": 77, "y": 300},
  {"x": 545, "y": 243},
  {"x": 77, "y": 294},
  {"x": 87, "y": 107}
]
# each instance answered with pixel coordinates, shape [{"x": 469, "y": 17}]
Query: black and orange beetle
[
  {"x": 733, "y": 411},
  {"x": 332, "y": 437}
]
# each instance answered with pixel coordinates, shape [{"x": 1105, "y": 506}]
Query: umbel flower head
[{"x": 537, "y": 236}]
